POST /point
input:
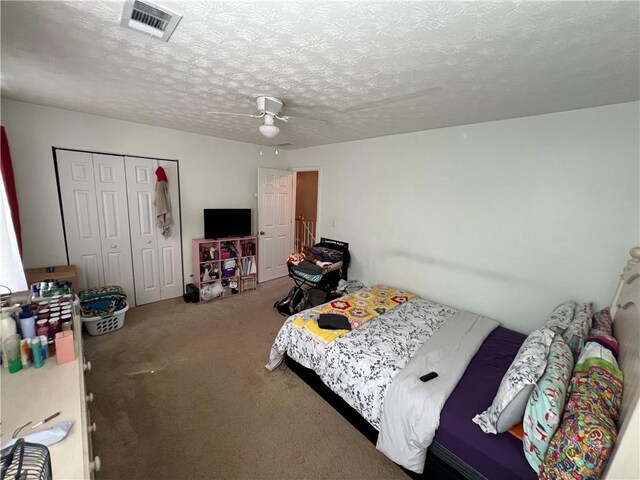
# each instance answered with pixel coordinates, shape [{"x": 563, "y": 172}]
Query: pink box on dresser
[{"x": 65, "y": 351}]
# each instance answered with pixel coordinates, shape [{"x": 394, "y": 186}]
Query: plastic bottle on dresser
[
  {"x": 24, "y": 353},
  {"x": 44, "y": 346},
  {"x": 27, "y": 322},
  {"x": 43, "y": 327},
  {"x": 12, "y": 351},
  {"x": 30, "y": 351},
  {"x": 7, "y": 329},
  {"x": 37, "y": 352}
]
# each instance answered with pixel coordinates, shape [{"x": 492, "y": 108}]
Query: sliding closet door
[
  {"x": 78, "y": 194},
  {"x": 144, "y": 239},
  {"x": 169, "y": 249},
  {"x": 113, "y": 219}
]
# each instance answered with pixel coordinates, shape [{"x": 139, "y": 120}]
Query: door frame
[
  {"x": 310, "y": 168},
  {"x": 54, "y": 149}
]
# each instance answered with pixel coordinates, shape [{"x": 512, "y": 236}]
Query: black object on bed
[
  {"x": 460, "y": 450},
  {"x": 333, "y": 321}
]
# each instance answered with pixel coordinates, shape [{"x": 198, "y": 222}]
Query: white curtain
[{"x": 11, "y": 271}]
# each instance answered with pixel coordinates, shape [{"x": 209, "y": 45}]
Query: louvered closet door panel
[
  {"x": 113, "y": 219},
  {"x": 78, "y": 193},
  {"x": 169, "y": 249},
  {"x": 144, "y": 244}
]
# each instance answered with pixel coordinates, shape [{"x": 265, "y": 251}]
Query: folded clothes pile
[
  {"x": 308, "y": 270},
  {"x": 326, "y": 254},
  {"x": 100, "y": 301}
]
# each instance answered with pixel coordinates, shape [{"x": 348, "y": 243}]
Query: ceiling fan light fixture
[
  {"x": 269, "y": 128},
  {"x": 269, "y": 131}
]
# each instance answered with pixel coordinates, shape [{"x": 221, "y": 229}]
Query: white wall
[
  {"x": 213, "y": 172},
  {"x": 504, "y": 218}
]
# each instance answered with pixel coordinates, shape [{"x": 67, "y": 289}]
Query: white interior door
[
  {"x": 113, "y": 220},
  {"x": 275, "y": 235},
  {"x": 144, "y": 240},
  {"x": 78, "y": 193},
  {"x": 169, "y": 249}
]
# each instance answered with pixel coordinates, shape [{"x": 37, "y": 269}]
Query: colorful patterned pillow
[
  {"x": 507, "y": 408},
  {"x": 581, "y": 446},
  {"x": 602, "y": 321},
  {"x": 544, "y": 409},
  {"x": 576, "y": 334},
  {"x": 601, "y": 332},
  {"x": 604, "y": 339},
  {"x": 593, "y": 350},
  {"x": 561, "y": 316}
]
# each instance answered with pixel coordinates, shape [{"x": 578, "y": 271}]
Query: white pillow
[
  {"x": 577, "y": 332},
  {"x": 560, "y": 317},
  {"x": 507, "y": 408}
]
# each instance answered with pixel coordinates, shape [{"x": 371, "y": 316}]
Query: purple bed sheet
[{"x": 493, "y": 456}]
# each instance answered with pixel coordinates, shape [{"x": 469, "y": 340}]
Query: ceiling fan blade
[
  {"x": 390, "y": 100},
  {"x": 236, "y": 114},
  {"x": 286, "y": 118}
]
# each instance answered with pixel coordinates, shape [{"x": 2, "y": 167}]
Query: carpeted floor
[{"x": 181, "y": 392}]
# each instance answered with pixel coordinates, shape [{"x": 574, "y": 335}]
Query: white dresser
[{"x": 34, "y": 394}]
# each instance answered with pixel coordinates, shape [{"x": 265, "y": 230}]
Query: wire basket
[{"x": 25, "y": 461}]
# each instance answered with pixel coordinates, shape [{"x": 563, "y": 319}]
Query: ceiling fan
[{"x": 269, "y": 109}]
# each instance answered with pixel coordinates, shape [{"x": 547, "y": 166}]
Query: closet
[{"x": 110, "y": 225}]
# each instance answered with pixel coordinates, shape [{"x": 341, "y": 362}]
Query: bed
[{"x": 357, "y": 376}]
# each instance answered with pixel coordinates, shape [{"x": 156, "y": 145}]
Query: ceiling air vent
[{"x": 151, "y": 19}]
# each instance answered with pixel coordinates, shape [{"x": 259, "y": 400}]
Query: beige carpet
[{"x": 182, "y": 393}]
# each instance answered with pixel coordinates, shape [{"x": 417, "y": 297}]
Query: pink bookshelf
[{"x": 224, "y": 266}]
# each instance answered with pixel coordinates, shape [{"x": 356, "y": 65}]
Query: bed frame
[
  {"x": 624, "y": 462},
  {"x": 625, "y": 311},
  {"x": 436, "y": 467}
]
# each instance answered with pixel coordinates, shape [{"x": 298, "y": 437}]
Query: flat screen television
[{"x": 227, "y": 222}]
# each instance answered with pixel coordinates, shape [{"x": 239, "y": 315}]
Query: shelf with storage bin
[{"x": 224, "y": 266}]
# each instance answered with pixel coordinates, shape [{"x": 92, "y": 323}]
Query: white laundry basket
[{"x": 107, "y": 323}]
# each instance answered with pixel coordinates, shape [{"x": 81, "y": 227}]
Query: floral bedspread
[
  {"x": 360, "y": 365},
  {"x": 359, "y": 308}
]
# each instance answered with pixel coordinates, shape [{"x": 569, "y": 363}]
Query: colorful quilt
[
  {"x": 359, "y": 308},
  {"x": 581, "y": 447},
  {"x": 100, "y": 301},
  {"x": 602, "y": 332}
]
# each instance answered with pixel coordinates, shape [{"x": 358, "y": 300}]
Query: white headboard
[{"x": 625, "y": 310}]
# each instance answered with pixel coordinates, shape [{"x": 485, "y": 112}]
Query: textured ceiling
[{"x": 369, "y": 69}]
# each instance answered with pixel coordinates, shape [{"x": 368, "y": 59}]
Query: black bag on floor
[
  {"x": 192, "y": 295},
  {"x": 296, "y": 300}
]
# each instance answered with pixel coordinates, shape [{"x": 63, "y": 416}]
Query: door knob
[
  {"x": 95, "y": 465},
  {"x": 261, "y": 233},
  {"x": 149, "y": 242},
  {"x": 113, "y": 246}
]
